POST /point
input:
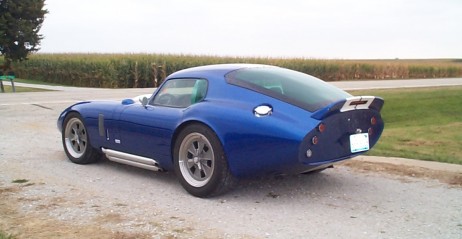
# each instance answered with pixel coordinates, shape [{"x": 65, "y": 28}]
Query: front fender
[{"x": 73, "y": 108}]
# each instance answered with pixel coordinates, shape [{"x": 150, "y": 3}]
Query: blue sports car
[{"x": 213, "y": 125}]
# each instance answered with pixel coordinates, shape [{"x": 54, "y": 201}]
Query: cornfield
[{"x": 149, "y": 70}]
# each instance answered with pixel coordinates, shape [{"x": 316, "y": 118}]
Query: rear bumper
[{"x": 332, "y": 143}]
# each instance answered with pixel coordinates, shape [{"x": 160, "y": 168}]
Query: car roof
[{"x": 213, "y": 70}]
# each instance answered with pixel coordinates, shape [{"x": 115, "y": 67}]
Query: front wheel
[
  {"x": 76, "y": 141},
  {"x": 200, "y": 162}
]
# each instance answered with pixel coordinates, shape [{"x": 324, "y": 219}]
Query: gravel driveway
[{"x": 59, "y": 199}]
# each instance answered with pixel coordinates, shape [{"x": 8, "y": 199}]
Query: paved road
[
  {"x": 63, "y": 94},
  {"x": 388, "y": 84},
  {"x": 346, "y": 85}
]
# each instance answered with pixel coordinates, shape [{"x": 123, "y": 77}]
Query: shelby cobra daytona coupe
[{"x": 215, "y": 124}]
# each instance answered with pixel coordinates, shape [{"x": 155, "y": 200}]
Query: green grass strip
[
  {"x": 3, "y": 235},
  {"x": 423, "y": 123},
  {"x": 9, "y": 89}
]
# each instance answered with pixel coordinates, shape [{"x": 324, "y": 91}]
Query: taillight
[
  {"x": 321, "y": 127},
  {"x": 314, "y": 140},
  {"x": 373, "y": 120}
]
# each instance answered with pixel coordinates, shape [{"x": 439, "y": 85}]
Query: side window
[{"x": 181, "y": 93}]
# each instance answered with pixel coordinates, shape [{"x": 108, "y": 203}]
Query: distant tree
[{"x": 20, "y": 23}]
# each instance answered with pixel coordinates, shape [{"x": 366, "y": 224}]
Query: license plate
[{"x": 359, "y": 142}]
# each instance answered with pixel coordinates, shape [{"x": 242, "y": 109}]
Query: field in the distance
[
  {"x": 423, "y": 123},
  {"x": 148, "y": 70}
]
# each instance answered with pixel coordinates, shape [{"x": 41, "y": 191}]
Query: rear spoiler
[{"x": 348, "y": 104}]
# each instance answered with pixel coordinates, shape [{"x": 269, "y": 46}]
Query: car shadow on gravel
[
  {"x": 329, "y": 183},
  {"x": 118, "y": 168},
  {"x": 323, "y": 184}
]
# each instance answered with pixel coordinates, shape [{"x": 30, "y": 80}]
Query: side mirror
[{"x": 144, "y": 101}]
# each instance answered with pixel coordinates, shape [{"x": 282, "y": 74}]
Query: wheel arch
[
  {"x": 71, "y": 109},
  {"x": 63, "y": 117},
  {"x": 184, "y": 125}
]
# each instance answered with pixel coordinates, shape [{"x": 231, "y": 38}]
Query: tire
[
  {"x": 200, "y": 162},
  {"x": 76, "y": 141}
]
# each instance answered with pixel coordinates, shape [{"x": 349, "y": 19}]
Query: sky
[{"x": 319, "y": 29}]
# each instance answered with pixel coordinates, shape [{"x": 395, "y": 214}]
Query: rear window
[{"x": 293, "y": 87}]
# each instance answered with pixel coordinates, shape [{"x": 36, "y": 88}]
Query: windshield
[{"x": 293, "y": 87}]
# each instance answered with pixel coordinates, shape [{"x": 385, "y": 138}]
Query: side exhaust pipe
[{"x": 132, "y": 160}]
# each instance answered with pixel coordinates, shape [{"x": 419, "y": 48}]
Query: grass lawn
[
  {"x": 3, "y": 235},
  {"x": 421, "y": 123},
  {"x": 9, "y": 89}
]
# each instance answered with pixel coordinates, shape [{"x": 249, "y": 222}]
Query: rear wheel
[
  {"x": 76, "y": 141},
  {"x": 200, "y": 162}
]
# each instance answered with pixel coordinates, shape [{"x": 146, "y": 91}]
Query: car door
[{"x": 147, "y": 130}]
